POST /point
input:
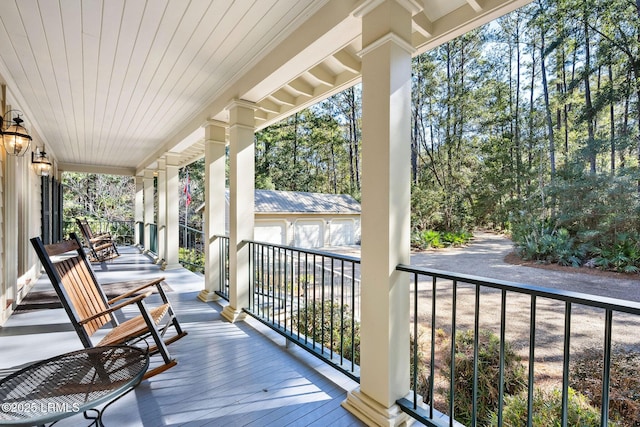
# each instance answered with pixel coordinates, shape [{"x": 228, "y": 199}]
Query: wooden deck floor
[{"x": 238, "y": 374}]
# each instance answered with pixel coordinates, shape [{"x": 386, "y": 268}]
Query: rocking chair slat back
[{"x": 87, "y": 300}]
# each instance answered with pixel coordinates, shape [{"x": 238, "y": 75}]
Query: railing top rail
[
  {"x": 190, "y": 228},
  {"x": 326, "y": 254},
  {"x": 614, "y": 304}
]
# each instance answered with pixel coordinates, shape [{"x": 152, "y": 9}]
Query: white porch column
[
  {"x": 172, "y": 225},
  {"x": 149, "y": 218},
  {"x": 138, "y": 213},
  {"x": 241, "y": 205},
  {"x": 162, "y": 211},
  {"x": 386, "y": 140},
  {"x": 214, "y": 207}
]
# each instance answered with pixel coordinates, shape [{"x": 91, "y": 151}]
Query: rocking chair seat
[{"x": 133, "y": 328}]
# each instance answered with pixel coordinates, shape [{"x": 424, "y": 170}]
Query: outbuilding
[{"x": 304, "y": 220}]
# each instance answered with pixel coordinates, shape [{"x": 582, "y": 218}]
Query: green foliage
[
  {"x": 547, "y": 408},
  {"x": 599, "y": 228},
  {"x": 440, "y": 239},
  {"x": 316, "y": 321},
  {"x": 515, "y": 378},
  {"x": 624, "y": 390},
  {"x": 192, "y": 259}
]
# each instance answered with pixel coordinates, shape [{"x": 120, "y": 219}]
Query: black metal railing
[
  {"x": 442, "y": 300},
  {"x": 153, "y": 238},
  {"x": 310, "y": 297},
  {"x": 223, "y": 262},
  {"x": 122, "y": 231},
  {"x": 140, "y": 226}
]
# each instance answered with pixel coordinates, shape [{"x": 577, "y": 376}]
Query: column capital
[
  {"x": 162, "y": 163},
  {"x": 241, "y": 103},
  {"x": 215, "y": 132},
  {"x": 387, "y": 38},
  {"x": 218, "y": 123},
  {"x": 368, "y": 6},
  {"x": 172, "y": 159},
  {"x": 148, "y": 174}
]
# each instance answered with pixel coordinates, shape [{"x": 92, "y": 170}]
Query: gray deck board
[{"x": 238, "y": 374}]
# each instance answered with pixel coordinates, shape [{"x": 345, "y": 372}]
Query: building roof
[{"x": 274, "y": 201}]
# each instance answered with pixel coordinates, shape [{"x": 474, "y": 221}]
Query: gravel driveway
[{"x": 485, "y": 257}]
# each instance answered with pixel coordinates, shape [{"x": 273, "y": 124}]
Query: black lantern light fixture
[
  {"x": 40, "y": 162},
  {"x": 15, "y": 138}
]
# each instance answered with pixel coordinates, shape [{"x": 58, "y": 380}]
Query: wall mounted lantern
[
  {"x": 40, "y": 162},
  {"x": 15, "y": 138}
]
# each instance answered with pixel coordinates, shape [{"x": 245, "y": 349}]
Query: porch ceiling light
[
  {"x": 15, "y": 138},
  {"x": 40, "y": 162}
]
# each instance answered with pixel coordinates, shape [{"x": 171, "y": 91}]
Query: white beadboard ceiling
[{"x": 113, "y": 85}]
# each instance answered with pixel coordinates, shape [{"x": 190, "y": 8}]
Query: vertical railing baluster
[
  {"x": 452, "y": 392},
  {"x": 503, "y": 327},
  {"x": 532, "y": 347},
  {"x": 606, "y": 369},
  {"x": 313, "y": 308},
  {"x": 415, "y": 341},
  {"x": 353, "y": 316},
  {"x": 476, "y": 345},
  {"x": 565, "y": 364},
  {"x": 306, "y": 298},
  {"x": 321, "y": 306},
  {"x": 331, "y": 309},
  {"x": 432, "y": 362},
  {"x": 341, "y": 311}
]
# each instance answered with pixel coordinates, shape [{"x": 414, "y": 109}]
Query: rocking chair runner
[
  {"x": 89, "y": 310},
  {"x": 101, "y": 246}
]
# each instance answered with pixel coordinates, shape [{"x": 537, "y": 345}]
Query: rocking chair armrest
[
  {"x": 134, "y": 291},
  {"x": 115, "y": 308},
  {"x": 100, "y": 238}
]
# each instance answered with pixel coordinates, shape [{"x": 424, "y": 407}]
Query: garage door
[
  {"x": 309, "y": 233},
  {"x": 342, "y": 232},
  {"x": 270, "y": 232}
]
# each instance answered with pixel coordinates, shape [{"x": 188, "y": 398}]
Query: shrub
[
  {"x": 515, "y": 378},
  {"x": 547, "y": 408},
  {"x": 423, "y": 354},
  {"x": 192, "y": 259},
  {"x": 624, "y": 390},
  {"x": 316, "y": 322},
  {"x": 436, "y": 239}
]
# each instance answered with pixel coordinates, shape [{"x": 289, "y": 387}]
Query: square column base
[
  {"x": 372, "y": 413},
  {"x": 233, "y": 315},
  {"x": 208, "y": 296},
  {"x": 171, "y": 266}
]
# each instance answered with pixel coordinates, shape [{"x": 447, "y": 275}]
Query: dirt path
[{"x": 485, "y": 257}]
